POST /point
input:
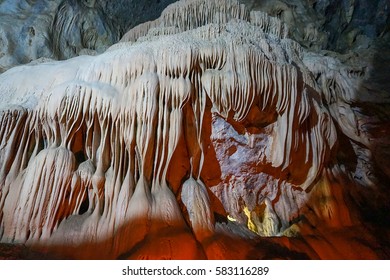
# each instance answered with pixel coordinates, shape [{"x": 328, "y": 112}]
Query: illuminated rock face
[
  {"x": 57, "y": 29},
  {"x": 193, "y": 136},
  {"x": 79, "y": 25}
]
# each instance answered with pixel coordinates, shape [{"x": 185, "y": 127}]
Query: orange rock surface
[{"x": 206, "y": 134}]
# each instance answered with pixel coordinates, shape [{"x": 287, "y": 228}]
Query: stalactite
[
  {"x": 99, "y": 140},
  {"x": 190, "y": 14}
]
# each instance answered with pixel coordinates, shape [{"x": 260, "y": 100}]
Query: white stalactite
[{"x": 123, "y": 113}]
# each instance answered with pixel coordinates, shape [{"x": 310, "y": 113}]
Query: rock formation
[{"x": 209, "y": 132}]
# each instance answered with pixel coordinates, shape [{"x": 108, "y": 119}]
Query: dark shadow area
[{"x": 129, "y": 13}]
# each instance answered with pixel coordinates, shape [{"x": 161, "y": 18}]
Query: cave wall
[
  {"x": 215, "y": 125},
  {"x": 62, "y": 29}
]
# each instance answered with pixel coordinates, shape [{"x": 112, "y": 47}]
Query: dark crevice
[{"x": 84, "y": 206}]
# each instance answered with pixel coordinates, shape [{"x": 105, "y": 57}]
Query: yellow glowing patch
[
  {"x": 250, "y": 224},
  {"x": 230, "y": 218}
]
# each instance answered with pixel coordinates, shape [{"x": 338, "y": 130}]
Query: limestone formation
[
  {"x": 207, "y": 133},
  {"x": 58, "y": 29},
  {"x": 81, "y": 25}
]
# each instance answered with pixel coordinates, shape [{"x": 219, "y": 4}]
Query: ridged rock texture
[{"x": 212, "y": 132}]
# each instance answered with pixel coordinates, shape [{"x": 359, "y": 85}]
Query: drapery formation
[{"x": 208, "y": 111}]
